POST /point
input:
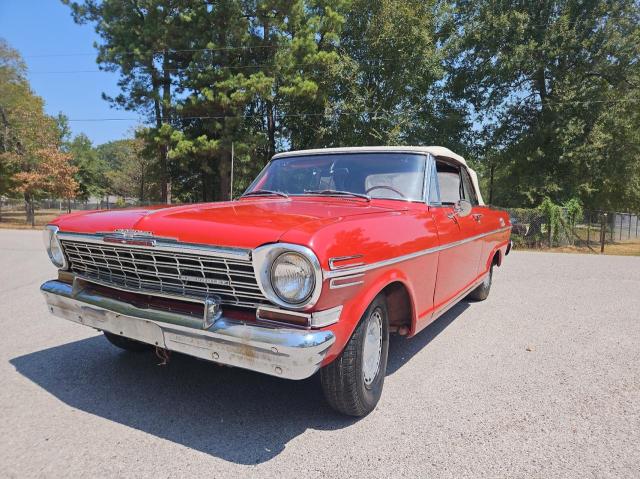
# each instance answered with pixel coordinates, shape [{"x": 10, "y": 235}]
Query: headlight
[
  {"x": 292, "y": 278},
  {"x": 289, "y": 275},
  {"x": 51, "y": 243}
]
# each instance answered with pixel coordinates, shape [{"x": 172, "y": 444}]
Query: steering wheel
[{"x": 384, "y": 187}]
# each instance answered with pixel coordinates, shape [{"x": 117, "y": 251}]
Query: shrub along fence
[{"x": 541, "y": 228}]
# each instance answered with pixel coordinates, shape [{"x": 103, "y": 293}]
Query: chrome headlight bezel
[
  {"x": 52, "y": 244},
  {"x": 264, "y": 258}
]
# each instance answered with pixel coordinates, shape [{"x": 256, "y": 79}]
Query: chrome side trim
[
  {"x": 336, "y": 283},
  {"x": 387, "y": 262},
  {"x": 339, "y": 259},
  {"x": 165, "y": 244},
  {"x": 283, "y": 352}
]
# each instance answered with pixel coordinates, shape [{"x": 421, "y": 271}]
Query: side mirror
[{"x": 462, "y": 208}]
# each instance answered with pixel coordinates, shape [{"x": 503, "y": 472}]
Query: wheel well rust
[{"x": 399, "y": 307}]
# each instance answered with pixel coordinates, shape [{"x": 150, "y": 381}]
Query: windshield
[{"x": 397, "y": 176}]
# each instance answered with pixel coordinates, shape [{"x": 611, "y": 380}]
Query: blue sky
[{"x": 48, "y": 39}]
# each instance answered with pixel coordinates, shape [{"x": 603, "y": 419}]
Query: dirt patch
[
  {"x": 16, "y": 220},
  {"x": 631, "y": 248}
]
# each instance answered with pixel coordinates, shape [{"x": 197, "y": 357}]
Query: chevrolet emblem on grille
[
  {"x": 130, "y": 237},
  {"x": 199, "y": 279}
]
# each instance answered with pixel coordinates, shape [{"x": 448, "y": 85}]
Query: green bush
[{"x": 551, "y": 213}]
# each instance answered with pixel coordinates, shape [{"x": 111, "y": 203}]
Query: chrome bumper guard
[{"x": 283, "y": 352}]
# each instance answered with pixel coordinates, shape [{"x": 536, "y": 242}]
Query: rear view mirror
[{"x": 462, "y": 208}]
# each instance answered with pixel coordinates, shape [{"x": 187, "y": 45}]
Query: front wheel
[
  {"x": 482, "y": 292},
  {"x": 352, "y": 384}
]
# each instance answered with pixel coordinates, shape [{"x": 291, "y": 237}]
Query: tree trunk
[
  {"x": 159, "y": 113},
  {"x": 491, "y": 173},
  {"x": 224, "y": 171},
  {"x": 166, "y": 112},
  {"x": 271, "y": 118},
  {"x": 207, "y": 179},
  {"x": 141, "y": 192},
  {"x": 28, "y": 207},
  {"x": 271, "y": 129}
]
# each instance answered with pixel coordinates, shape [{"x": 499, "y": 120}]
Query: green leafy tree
[
  {"x": 91, "y": 174},
  {"x": 30, "y": 157},
  {"x": 148, "y": 42},
  {"x": 554, "y": 87},
  {"x": 130, "y": 169},
  {"x": 390, "y": 90}
]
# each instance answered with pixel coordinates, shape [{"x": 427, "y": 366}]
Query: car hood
[{"x": 247, "y": 223}]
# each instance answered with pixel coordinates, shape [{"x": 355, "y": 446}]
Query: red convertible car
[{"x": 327, "y": 253}]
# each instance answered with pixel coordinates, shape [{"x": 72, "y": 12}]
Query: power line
[
  {"x": 254, "y": 47},
  {"x": 157, "y": 52},
  {"x": 227, "y": 67},
  {"x": 376, "y": 114},
  {"x": 222, "y": 117}
]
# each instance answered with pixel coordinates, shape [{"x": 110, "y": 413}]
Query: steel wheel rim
[{"x": 372, "y": 351}]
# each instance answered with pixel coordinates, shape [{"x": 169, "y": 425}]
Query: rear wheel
[
  {"x": 126, "y": 343},
  {"x": 482, "y": 292},
  {"x": 352, "y": 384}
]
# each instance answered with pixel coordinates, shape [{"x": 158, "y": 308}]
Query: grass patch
[{"x": 17, "y": 219}]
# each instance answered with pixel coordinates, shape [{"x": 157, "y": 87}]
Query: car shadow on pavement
[
  {"x": 402, "y": 349},
  {"x": 236, "y": 415}
]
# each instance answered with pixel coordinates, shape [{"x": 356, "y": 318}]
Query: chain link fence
[
  {"x": 13, "y": 210},
  {"x": 592, "y": 229},
  {"x": 15, "y": 205}
]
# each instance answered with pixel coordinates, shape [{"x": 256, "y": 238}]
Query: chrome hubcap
[{"x": 372, "y": 347}]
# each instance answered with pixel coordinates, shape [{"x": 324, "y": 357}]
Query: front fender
[{"x": 354, "y": 308}]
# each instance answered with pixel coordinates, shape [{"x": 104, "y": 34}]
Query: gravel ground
[{"x": 540, "y": 380}]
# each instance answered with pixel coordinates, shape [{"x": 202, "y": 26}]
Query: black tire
[
  {"x": 482, "y": 292},
  {"x": 126, "y": 343},
  {"x": 343, "y": 381}
]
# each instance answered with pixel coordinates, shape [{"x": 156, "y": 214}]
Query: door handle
[{"x": 477, "y": 217}]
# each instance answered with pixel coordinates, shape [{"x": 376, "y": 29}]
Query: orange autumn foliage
[{"x": 53, "y": 174}]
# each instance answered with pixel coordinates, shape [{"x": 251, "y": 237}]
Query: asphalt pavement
[{"x": 540, "y": 380}]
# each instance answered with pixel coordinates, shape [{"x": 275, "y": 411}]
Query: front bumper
[{"x": 283, "y": 352}]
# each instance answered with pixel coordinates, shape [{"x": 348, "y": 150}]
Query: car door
[
  {"x": 458, "y": 257},
  {"x": 479, "y": 216}
]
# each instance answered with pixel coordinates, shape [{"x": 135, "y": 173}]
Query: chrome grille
[{"x": 166, "y": 272}]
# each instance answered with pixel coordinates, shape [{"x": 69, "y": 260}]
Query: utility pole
[{"x": 231, "y": 187}]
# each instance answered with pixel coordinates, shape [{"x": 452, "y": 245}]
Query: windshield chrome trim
[
  {"x": 398, "y": 259},
  {"x": 277, "y": 157}
]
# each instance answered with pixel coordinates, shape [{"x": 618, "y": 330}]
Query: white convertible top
[{"x": 437, "y": 151}]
